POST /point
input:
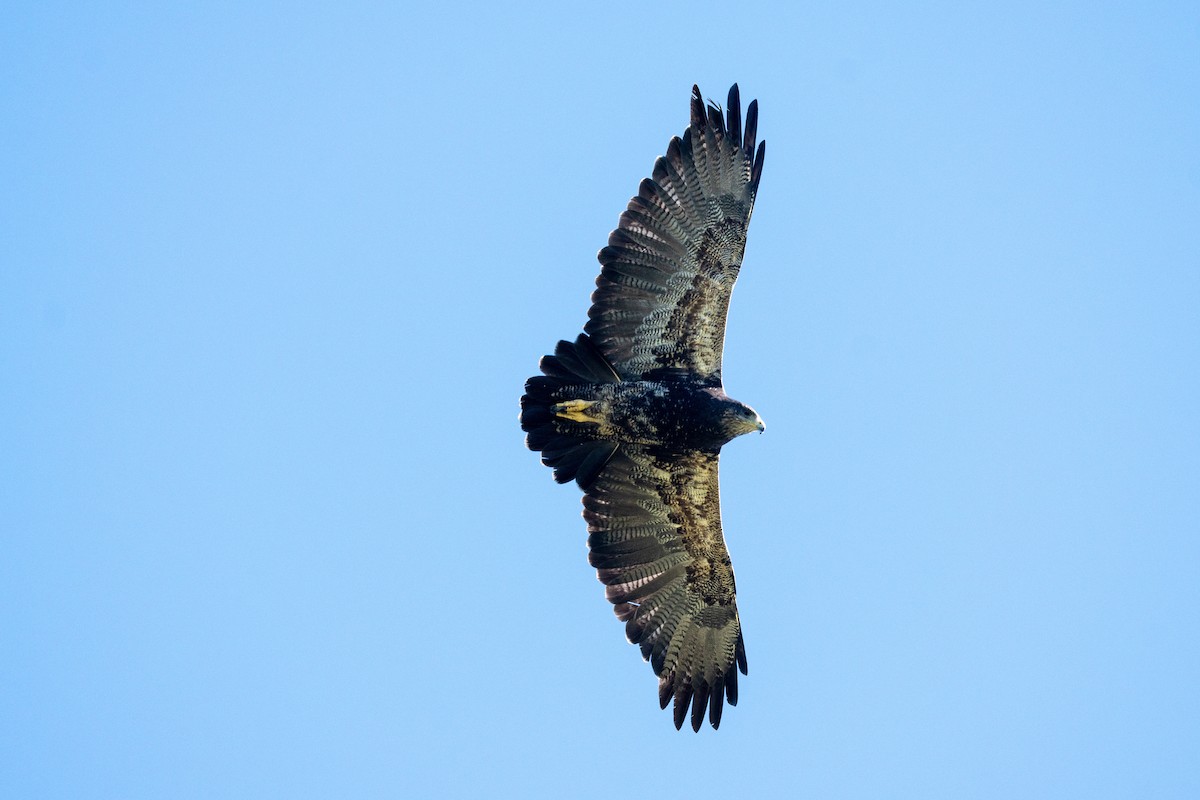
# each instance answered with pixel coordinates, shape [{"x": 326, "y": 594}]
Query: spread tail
[{"x": 567, "y": 443}]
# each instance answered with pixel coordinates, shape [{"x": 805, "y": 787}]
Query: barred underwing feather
[
  {"x": 689, "y": 629},
  {"x": 688, "y": 222}
]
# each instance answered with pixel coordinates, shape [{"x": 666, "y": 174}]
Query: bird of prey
[{"x": 635, "y": 412}]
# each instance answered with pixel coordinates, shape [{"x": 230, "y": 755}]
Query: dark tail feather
[
  {"x": 571, "y": 373},
  {"x": 579, "y": 362}
]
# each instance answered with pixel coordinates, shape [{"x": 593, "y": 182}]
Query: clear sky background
[{"x": 271, "y": 281}]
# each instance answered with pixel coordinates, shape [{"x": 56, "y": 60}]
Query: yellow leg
[{"x": 574, "y": 410}]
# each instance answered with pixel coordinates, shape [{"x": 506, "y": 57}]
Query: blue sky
[{"x": 272, "y": 278}]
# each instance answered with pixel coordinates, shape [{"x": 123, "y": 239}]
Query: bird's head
[{"x": 740, "y": 418}]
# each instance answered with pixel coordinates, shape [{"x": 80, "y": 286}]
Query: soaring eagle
[{"x": 635, "y": 412}]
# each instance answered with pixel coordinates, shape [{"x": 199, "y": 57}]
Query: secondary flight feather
[{"x": 635, "y": 412}]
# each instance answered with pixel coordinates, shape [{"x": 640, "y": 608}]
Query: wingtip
[
  {"x": 756, "y": 171},
  {"x": 697, "y": 107},
  {"x": 699, "y": 706},
  {"x": 716, "y": 704},
  {"x": 733, "y": 115}
]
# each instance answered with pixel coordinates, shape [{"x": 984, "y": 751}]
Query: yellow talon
[{"x": 574, "y": 410}]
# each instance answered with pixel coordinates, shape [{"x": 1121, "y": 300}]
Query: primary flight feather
[{"x": 635, "y": 412}]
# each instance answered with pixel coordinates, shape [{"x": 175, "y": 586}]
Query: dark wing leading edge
[
  {"x": 654, "y": 528},
  {"x": 669, "y": 267}
]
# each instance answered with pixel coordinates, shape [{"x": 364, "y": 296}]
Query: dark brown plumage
[{"x": 635, "y": 412}]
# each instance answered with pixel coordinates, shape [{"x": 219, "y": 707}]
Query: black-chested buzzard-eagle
[{"x": 635, "y": 412}]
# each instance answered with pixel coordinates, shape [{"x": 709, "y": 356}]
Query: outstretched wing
[
  {"x": 654, "y": 527},
  {"x": 669, "y": 267}
]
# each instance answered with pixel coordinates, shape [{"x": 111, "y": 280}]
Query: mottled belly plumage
[{"x": 671, "y": 415}]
